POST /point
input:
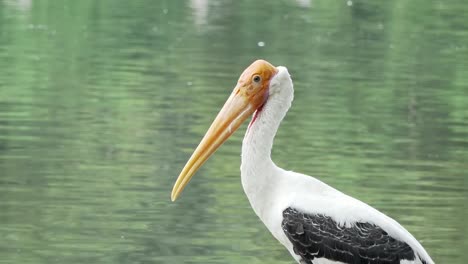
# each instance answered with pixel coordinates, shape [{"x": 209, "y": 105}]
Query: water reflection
[{"x": 101, "y": 103}]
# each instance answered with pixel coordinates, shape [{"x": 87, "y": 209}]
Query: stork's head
[
  {"x": 256, "y": 84},
  {"x": 253, "y": 84}
]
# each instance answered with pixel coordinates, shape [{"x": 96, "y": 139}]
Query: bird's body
[{"x": 315, "y": 222}]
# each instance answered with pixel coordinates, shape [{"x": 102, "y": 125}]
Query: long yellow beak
[
  {"x": 232, "y": 115},
  {"x": 250, "y": 93}
]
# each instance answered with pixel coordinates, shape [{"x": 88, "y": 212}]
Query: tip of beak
[{"x": 173, "y": 197}]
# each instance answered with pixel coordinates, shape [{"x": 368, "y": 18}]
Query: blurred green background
[{"x": 102, "y": 102}]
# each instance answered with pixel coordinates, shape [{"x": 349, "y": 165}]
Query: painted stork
[{"x": 315, "y": 222}]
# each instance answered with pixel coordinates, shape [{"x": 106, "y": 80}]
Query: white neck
[{"x": 258, "y": 172}]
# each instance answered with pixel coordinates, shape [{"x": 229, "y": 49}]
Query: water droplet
[
  {"x": 261, "y": 44},
  {"x": 189, "y": 83},
  {"x": 349, "y": 3}
]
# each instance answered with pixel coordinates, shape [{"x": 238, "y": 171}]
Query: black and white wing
[{"x": 319, "y": 236}]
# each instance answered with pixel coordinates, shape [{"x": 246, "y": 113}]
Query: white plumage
[{"x": 271, "y": 189}]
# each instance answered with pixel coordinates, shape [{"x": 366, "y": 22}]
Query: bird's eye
[{"x": 257, "y": 78}]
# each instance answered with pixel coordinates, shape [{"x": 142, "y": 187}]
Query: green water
[{"x": 102, "y": 102}]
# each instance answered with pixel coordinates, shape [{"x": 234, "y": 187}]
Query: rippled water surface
[{"x": 102, "y": 102}]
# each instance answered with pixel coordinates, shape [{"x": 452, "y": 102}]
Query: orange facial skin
[{"x": 256, "y": 91}]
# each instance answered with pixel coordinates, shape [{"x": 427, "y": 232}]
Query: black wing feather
[{"x": 319, "y": 236}]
